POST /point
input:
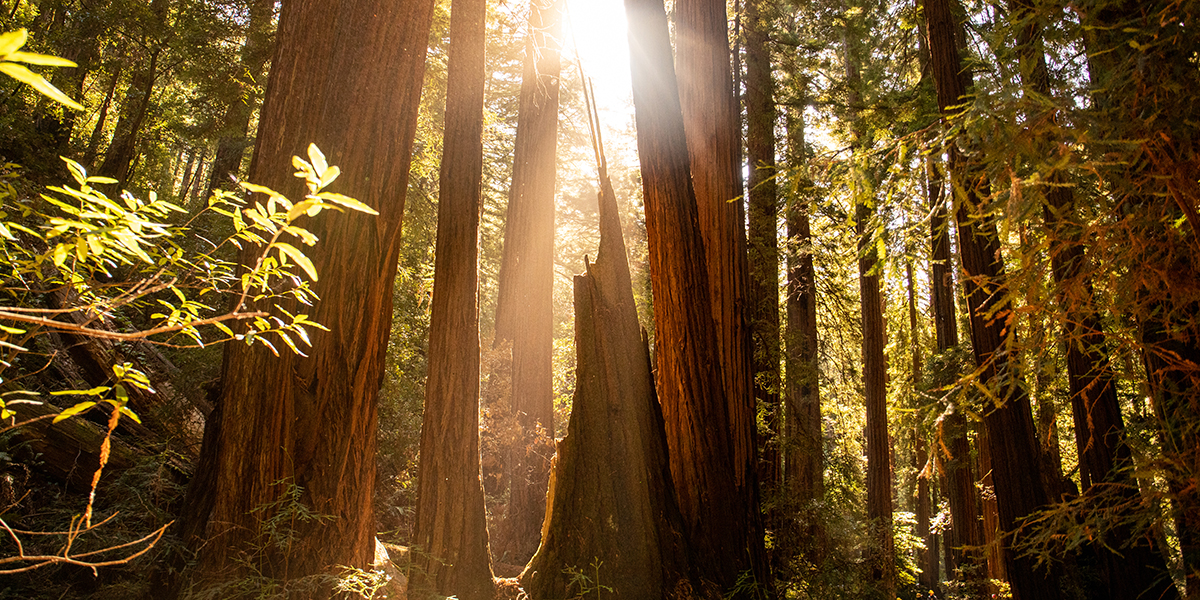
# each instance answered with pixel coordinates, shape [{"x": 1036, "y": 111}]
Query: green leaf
[
  {"x": 296, "y": 255},
  {"x": 38, "y": 83},
  {"x": 347, "y": 202},
  {"x": 101, "y": 180},
  {"x": 74, "y": 410},
  {"x": 261, "y": 189},
  {"x": 96, "y": 391},
  {"x": 31, "y": 58},
  {"x": 12, "y": 41},
  {"x": 317, "y": 159},
  {"x": 129, "y": 413}
]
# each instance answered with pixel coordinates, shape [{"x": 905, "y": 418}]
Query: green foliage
[
  {"x": 587, "y": 581},
  {"x": 11, "y": 55}
]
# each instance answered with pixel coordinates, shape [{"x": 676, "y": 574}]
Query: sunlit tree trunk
[
  {"x": 451, "y": 524},
  {"x": 1011, "y": 434},
  {"x": 928, "y": 557},
  {"x": 307, "y": 425},
  {"x": 718, "y": 515},
  {"x": 123, "y": 148},
  {"x": 524, "y": 307},
  {"x": 235, "y": 124}
]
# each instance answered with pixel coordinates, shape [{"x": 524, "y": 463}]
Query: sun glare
[{"x": 596, "y": 29}]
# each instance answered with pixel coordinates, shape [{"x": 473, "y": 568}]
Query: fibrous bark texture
[
  {"x": 451, "y": 527},
  {"x": 612, "y": 514},
  {"x": 718, "y": 515},
  {"x": 307, "y": 424},
  {"x": 711, "y": 125},
  {"x": 524, "y": 308}
]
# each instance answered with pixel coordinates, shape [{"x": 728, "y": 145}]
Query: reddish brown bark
[
  {"x": 451, "y": 527},
  {"x": 718, "y": 516},
  {"x": 711, "y": 124},
  {"x": 310, "y": 421},
  {"x": 618, "y": 526}
]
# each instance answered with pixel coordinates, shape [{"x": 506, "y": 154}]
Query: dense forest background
[{"x": 753, "y": 299}]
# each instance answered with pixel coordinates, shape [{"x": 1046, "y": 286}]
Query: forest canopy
[{"x": 563, "y": 299}]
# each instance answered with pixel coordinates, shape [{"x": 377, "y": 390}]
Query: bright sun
[{"x": 597, "y": 29}]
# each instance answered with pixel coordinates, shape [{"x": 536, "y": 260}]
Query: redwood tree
[
  {"x": 718, "y": 515},
  {"x": 524, "y": 307},
  {"x": 1012, "y": 437},
  {"x": 301, "y": 429},
  {"x": 451, "y": 528}
]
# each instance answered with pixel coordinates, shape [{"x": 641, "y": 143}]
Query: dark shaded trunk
[
  {"x": 711, "y": 118},
  {"x": 118, "y": 159},
  {"x": 763, "y": 230},
  {"x": 719, "y": 517},
  {"x": 89, "y": 155},
  {"x": 618, "y": 526},
  {"x": 1012, "y": 438},
  {"x": 1099, "y": 427},
  {"x": 307, "y": 424},
  {"x": 235, "y": 125},
  {"x": 525, "y": 305},
  {"x": 803, "y": 448},
  {"x": 451, "y": 524}
]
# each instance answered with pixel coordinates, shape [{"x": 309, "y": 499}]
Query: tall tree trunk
[
  {"x": 1099, "y": 427},
  {"x": 451, "y": 520},
  {"x": 89, "y": 155},
  {"x": 235, "y": 125},
  {"x": 881, "y": 549},
  {"x": 764, "y": 225},
  {"x": 1009, "y": 423},
  {"x": 719, "y": 517},
  {"x": 804, "y": 456},
  {"x": 620, "y": 527},
  {"x": 712, "y": 127},
  {"x": 118, "y": 159},
  {"x": 525, "y": 304},
  {"x": 927, "y": 556},
  {"x": 310, "y": 422}
]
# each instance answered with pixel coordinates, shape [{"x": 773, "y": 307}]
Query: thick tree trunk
[
  {"x": 764, "y": 226},
  {"x": 310, "y": 422},
  {"x": 451, "y": 521},
  {"x": 1009, "y": 421},
  {"x": 712, "y": 126},
  {"x": 235, "y": 125},
  {"x": 719, "y": 516},
  {"x": 612, "y": 514},
  {"x": 524, "y": 308}
]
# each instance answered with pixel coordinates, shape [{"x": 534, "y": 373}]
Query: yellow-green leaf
[
  {"x": 31, "y": 58},
  {"x": 347, "y": 202},
  {"x": 11, "y": 41},
  {"x": 38, "y": 83},
  {"x": 293, "y": 253},
  {"x": 317, "y": 159},
  {"x": 74, "y": 410}
]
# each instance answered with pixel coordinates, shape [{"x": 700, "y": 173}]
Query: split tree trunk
[
  {"x": 612, "y": 512},
  {"x": 451, "y": 527}
]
